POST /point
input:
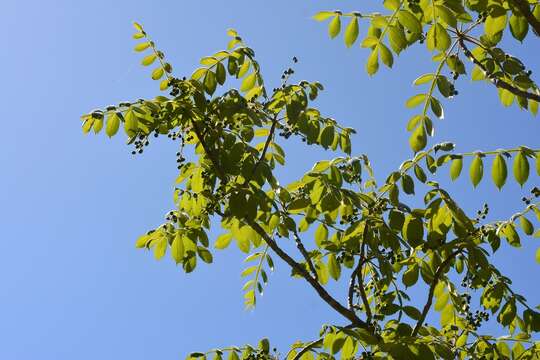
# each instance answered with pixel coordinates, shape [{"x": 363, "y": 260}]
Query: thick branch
[
  {"x": 432, "y": 287},
  {"x": 348, "y": 314},
  {"x": 305, "y": 254},
  {"x": 497, "y": 82},
  {"x": 525, "y": 9}
]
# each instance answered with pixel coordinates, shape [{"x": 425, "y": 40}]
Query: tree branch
[
  {"x": 357, "y": 274},
  {"x": 207, "y": 150},
  {"x": 347, "y": 313},
  {"x": 497, "y": 82},
  {"x": 434, "y": 283},
  {"x": 524, "y": 8},
  {"x": 266, "y": 144},
  {"x": 305, "y": 254}
]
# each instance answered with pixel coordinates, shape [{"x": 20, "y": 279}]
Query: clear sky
[{"x": 72, "y": 284}]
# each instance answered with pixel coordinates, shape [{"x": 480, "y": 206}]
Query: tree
[{"x": 362, "y": 232}]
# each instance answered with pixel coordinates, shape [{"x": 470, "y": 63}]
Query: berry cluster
[
  {"x": 535, "y": 194},
  {"x": 482, "y": 213},
  {"x": 140, "y": 144}
]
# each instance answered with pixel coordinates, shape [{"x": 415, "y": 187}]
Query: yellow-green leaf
[
  {"x": 249, "y": 82},
  {"x": 223, "y": 241},
  {"x": 323, "y": 15},
  {"x": 415, "y": 100},
  {"x": 334, "y": 27},
  {"x": 526, "y": 225},
  {"x": 409, "y": 21},
  {"x": 142, "y": 46},
  {"x": 372, "y": 64},
  {"x": 499, "y": 171},
  {"x": 455, "y": 168},
  {"x": 476, "y": 170},
  {"x": 386, "y": 55},
  {"x": 334, "y": 269},
  {"x": 351, "y": 32},
  {"x": 521, "y": 168},
  {"x": 113, "y": 123},
  {"x": 177, "y": 248},
  {"x": 149, "y": 60},
  {"x": 157, "y": 73},
  {"x": 418, "y": 138}
]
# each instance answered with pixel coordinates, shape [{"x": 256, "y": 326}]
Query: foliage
[{"x": 363, "y": 232}]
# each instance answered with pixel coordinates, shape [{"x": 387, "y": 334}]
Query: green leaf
[
  {"x": 526, "y": 225},
  {"x": 113, "y": 123},
  {"x": 397, "y": 39},
  {"x": 351, "y": 32},
  {"x": 205, "y": 255},
  {"x": 507, "y": 313},
  {"x": 476, "y": 170},
  {"x": 455, "y": 168},
  {"x": 221, "y": 73},
  {"x": 177, "y": 248},
  {"x": 249, "y": 82},
  {"x": 418, "y": 138},
  {"x": 327, "y": 136},
  {"x": 415, "y": 100},
  {"x": 372, "y": 64},
  {"x": 386, "y": 55},
  {"x": 518, "y": 27},
  {"x": 521, "y": 168},
  {"x": 538, "y": 163},
  {"x": 142, "y": 46},
  {"x": 436, "y": 107},
  {"x": 334, "y": 269},
  {"x": 409, "y": 21},
  {"x": 446, "y": 15},
  {"x": 538, "y": 255},
  {"x": 413, "y": 230},
  {"x": 334, "y": 27},
  {"x": 148, "y": 60},
  {"x": 509, "y": 232},
  {"x": 410, "y": 277},
  {"x": 210, "y": 82},
  {"x": 499, "y": 171},
  {"x": 223, "y": 241}
]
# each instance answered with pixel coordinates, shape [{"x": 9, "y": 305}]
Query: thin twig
[
  {"x": 305, "y": 254},
  {"x": 345, "y": 312},
  {"x": 266, "y": 144},
  {"x": 497, "y": 82},
  {"x": 434, "y": 283}
]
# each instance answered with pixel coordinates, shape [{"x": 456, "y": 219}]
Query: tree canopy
[{"x": 346, "y": 225}]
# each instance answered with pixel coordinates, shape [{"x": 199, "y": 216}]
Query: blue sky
[{"x": 73, "y": 286}]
